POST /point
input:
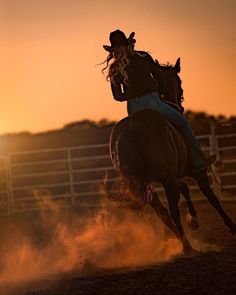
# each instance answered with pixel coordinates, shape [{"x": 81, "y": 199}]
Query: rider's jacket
[{"x": 144, "y": 77}]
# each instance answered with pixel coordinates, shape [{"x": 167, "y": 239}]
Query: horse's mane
[{"x": 166, "y": 65}]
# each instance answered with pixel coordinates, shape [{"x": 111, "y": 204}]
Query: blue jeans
[{"x": 152, "y": 101}]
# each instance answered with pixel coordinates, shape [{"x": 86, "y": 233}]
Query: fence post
[
  {"x": 10, "y": 197},
  {"x": 71, "y": 178},
  {"x": 216, "y": 180}
]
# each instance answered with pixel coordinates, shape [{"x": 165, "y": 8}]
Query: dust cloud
[{"x": 56, "y": 241}]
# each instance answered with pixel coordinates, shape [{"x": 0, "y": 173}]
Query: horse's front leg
[{"x": 173, "y": 196}]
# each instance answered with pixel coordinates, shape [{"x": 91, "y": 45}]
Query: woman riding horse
[
  {"x": 136, "y": 78},
  {"x": 144, "y": 147}
]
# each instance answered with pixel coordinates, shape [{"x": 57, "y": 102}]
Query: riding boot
[{"x": 209, "y": 161}]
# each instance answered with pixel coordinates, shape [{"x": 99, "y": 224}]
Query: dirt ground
[{"x": 212, "y": 271}]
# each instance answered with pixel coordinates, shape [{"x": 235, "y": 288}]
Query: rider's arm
[{"x": 116, "y": 88}]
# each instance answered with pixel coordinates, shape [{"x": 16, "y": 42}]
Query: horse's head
[{"x": 173, "y": 91}]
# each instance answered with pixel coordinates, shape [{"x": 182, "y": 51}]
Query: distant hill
[
  {"x": 78, "y": 133},
  {"x": 89, "y": 132}
]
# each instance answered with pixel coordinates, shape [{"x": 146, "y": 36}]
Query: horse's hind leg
[
  {"x": 191, "y": 216},
  {"x": 140, "y": 189},
  {"x": 204, "y": 186},
  {"x": 173, "y": 196},
  {"x": 163, "y": 214}
]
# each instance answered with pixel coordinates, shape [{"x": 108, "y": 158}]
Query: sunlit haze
[{"x": 50, "y": 48}]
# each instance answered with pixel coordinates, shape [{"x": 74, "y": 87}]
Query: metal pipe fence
[{"x": 66, "y": 177}]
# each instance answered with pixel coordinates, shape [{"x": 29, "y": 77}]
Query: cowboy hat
[{"x": 117, "y": 39}]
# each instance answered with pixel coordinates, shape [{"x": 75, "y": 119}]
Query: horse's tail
[{"x": 129, "y": 159}]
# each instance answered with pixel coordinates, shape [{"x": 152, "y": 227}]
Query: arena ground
[{"x": 212, "y": 271}]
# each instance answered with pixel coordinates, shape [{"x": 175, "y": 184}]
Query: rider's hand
[{"x": 162, "y": 96}]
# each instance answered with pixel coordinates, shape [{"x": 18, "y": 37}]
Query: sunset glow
[{"x": 50, "y": 50}]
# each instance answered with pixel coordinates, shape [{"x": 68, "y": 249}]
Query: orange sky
[{"x": 49, "y": 49}]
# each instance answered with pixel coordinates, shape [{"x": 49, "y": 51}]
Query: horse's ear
[
  {"x": 157, "y": 62},
  {"x": 131, "y": 36},
  {"x": 177, "y": 67}
]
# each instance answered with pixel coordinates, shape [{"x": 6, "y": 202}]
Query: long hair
[{"x": 120, "y": 62}]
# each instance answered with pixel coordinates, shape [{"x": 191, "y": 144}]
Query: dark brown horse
[{"x": 145, "y": 148}]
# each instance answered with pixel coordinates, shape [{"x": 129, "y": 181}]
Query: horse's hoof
[
  {"x": 193, "y": 252},
  {"x": 190, "y": 251},
  {"x": 192, "y": 221},
  {"x": 233, "y": 229}
]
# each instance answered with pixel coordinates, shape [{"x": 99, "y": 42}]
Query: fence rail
[{"x": 29, "y": 180}]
